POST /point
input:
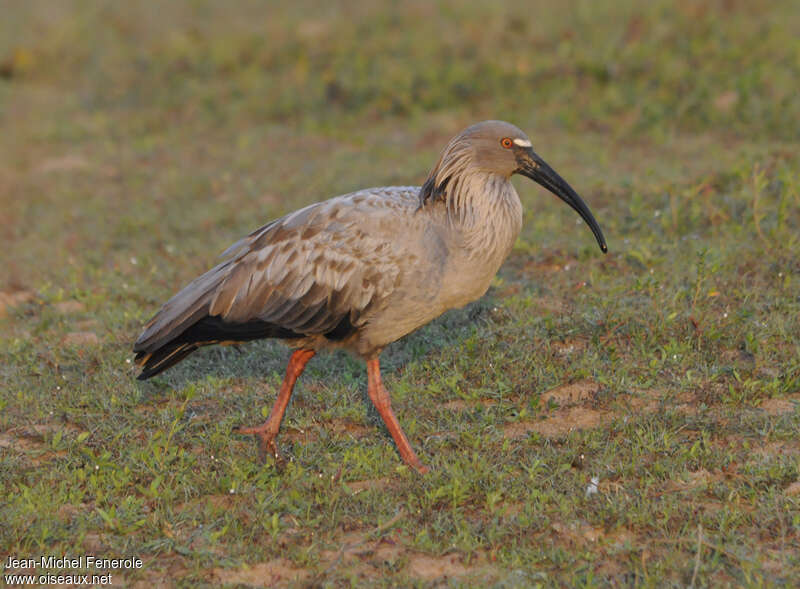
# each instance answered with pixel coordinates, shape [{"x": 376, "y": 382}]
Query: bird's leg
[
  {"x": 269, "y": 429},
  {"x": 380, "y": 398}
]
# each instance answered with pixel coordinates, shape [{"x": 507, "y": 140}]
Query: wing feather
[
  {"x": 319, "y": 270},
  {"x": 312, "y": 269}
]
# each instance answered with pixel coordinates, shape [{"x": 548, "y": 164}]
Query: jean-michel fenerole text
[{"x": 76, "y": 562}]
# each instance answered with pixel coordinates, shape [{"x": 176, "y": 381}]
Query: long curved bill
[{"x": 535, "y": 168}]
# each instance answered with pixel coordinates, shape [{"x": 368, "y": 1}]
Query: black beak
[{"x": 535, "y": 168}]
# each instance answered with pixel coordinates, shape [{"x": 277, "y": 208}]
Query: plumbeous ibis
[{"x": 362, "y": 270}]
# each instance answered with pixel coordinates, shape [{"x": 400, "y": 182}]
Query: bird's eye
[{"x": 506, "y": 142}]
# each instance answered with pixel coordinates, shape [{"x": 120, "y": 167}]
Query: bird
[{"x": 362, "y": 270}]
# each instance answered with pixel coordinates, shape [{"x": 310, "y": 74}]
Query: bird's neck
[{"x": 486, "y": 210}]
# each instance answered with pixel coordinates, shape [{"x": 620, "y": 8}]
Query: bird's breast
[
  {"x": 481, "y": 247},
  {"x": 448, "y": 266}
]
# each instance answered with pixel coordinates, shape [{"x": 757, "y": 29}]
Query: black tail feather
[
  {"x": 207, "y": 331},
  {"x": 163, "y": 358}
]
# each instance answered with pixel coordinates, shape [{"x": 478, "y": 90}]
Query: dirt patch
[
  {"x": 387, "y": 551},
  {"x": 274, "y": 573},
  {"x": 348, "y": 428},
  {"x": 697, "y": 479},
  {"x": 217, "y": 501},
  {"x": 46, "y": 457},
  {"x": 95, "y": 543},
  {"x": 559, "y": 423},
  {"x": 69, "y": 307},
  {"x": 639, "y": 401},
  {"x": 793, "y": 489},
  {"x": 370, "y": 553},
  {"x": 29, "y": 441},
  {"x": 360, "y": 553},
  {"x": 158, "y": 573},
  {"x": 571, "y": 394},
  {"x": 650, "y": 400},
  {"x": 684, "y": 402},
  {"x": 686, "y": 409},
  {"x": 564, "y": 395},
  {"x": 67, "y": 511},
  {"x": 780, "y": 406},
  {"x": 31, "y": 449},
  {"x": 570, "y": 415},
  {"x": 569, "y": 346},
  {"x": 81, "y": 338},
  {"x": 296, "y": 434},
  {"x": 778, "y": 448},
  {"x": 552, "y": 305},
  {"x": 65, "y": 163},
  {"x": 22, "y": 444},
  {"x": 14, "y": 298},
  {"x": 738, "y": 358},
  {"x": 757, "y": 449},
  {"x": 359, "y": 486},
  {"x": 462, "y": 404},
  {"x": 43, "y": 429},
  {"x": 421, "y": 566},
  {"x": 578, "y": 534}
]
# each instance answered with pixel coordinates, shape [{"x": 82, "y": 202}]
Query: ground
[{"x": 627, "y": 419}]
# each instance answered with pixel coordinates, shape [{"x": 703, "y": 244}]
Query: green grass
[{"x": 138, "y": 142}]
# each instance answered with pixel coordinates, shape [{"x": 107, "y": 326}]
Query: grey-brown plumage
[{"x": 362, "y": 270}]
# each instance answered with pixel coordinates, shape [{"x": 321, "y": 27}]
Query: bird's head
[{"x": 500, "y": 148}]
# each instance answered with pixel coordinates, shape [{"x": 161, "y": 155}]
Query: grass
[{"x": 138, "y": 143}]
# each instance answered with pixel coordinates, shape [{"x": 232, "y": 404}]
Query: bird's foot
[
  {"x": 414, "y": 462},
  {"x": 421, "y": 468},
  {"x": 266, "y": 440}
]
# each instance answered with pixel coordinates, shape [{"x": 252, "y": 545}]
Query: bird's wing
[
  {"x": 315, "y": 271},
  {"x": 318, "y": 267}
]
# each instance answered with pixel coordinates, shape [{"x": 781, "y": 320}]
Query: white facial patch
[{"x": 522, "y": 142}]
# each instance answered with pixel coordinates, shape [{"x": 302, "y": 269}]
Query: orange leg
[
  {"x": 380, "y": 398},
  {"x": 269, "y": 429}
]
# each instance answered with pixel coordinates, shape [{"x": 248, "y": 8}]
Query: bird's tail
[
  {"x": 163, "y": 343},
  {"x": 159, "y": 360},
  {"x": 205, "y": 332},
  {"x": 183, "y": 310},
  {"x": 183, "y": 325}
]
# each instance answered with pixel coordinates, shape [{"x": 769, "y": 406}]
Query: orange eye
[{"x": 506, "y": 142}]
